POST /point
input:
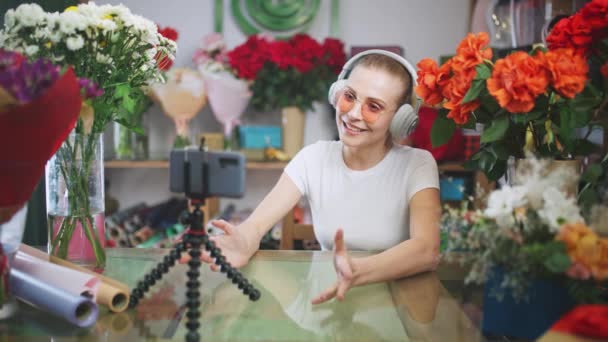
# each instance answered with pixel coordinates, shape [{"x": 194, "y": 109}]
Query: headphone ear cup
[
  {"x": 333, "y": 91},
  {"x": 404, "y": 122}
]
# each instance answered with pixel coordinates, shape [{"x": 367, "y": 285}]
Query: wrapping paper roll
[
  {"x": 143, "y": 235},
  {"x": 78, "y": 310},
  {"x": 111, "y": 293},
  {"x": 72, "y": 281}
]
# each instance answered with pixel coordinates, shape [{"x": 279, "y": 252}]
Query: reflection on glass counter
[{"x": 419, "y": 308}]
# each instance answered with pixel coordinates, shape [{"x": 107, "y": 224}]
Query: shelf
[
  {"x": 164, "y": 164},
  {"x": 452, "y": 167},
  {"x": 252, "y": 165}
]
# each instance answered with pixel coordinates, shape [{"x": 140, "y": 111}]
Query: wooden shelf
[
  {"x": 252, "y": 165},
  {"x": 452, "y": 167},
  {"x": 164, "y": 164}
]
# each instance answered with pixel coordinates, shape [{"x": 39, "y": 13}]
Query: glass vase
[
  {"x": 75, "y": 201},
  {"x": 11, "y": 233},
  {"x": 129, "y": 145}
]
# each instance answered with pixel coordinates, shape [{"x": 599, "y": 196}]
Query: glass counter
[{"x": 433, "y": 306}]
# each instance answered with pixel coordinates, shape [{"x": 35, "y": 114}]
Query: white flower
[
  {"x": 75, "y": 43},
  {"x": 103, "y": 59},
  {"x": 31, "y": 50},
  {"x": 558, "y": 209},
  {"x": 503, "y": 202},
  {"x": 71, "y": 21},
  {"x": 9, "y": 18},
  {"x": 537, "y": 175},
  {"x": 29, "y": 14}
]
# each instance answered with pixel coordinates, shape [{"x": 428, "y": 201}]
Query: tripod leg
[
  {"x": 193, "y": 285},
  {"x": 156, "y": 274},
  {"x": 231, "y": 272}
]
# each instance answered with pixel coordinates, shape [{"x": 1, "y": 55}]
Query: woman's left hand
[{"x": 343, "y": 264}]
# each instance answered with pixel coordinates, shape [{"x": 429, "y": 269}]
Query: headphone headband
[{"x": 348, "y": 66}]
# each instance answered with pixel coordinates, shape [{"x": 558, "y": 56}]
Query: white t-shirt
[{"x": 371, "y": 206}]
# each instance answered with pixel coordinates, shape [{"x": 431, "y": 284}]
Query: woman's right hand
[{"x": 235, "y": 245}]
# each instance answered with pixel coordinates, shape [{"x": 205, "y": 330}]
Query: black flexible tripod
[{"x": 194, "y": 238}]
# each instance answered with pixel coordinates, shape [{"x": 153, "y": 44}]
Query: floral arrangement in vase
[
  {"x": 527, "y": 101},
  {"x": 117, "y": 50},
  {"x": 531, "y": 230}
]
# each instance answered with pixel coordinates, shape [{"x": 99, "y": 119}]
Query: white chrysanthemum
[
  {"x": 90, "y": 10},
  {"x": 558, "y": 209},
  {"x": 9, "y": 19},
  {"x": 75, "y": 43},
  {"x": 116, "y": 11},
  {"x": 70, "y": 22},
  {"x": 29, "y": 14},
  {"x": 103, "y": 59},
  {"x": 42, "y": 32},
  {"x": 31, "y": 50},
  {"x": 536, "y": 176},
  {"x": 503, "y": 202},
  {"x": 106, "y": 25}
]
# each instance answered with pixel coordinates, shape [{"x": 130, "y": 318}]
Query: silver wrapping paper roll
[{"x": 78, "y": 310}]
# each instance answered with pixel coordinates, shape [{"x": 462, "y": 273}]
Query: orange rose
[
  {"x": 460, "y": 113},
  {"x": 517, "y": 80},
  {"x": 471, "y": 51},
  {"x": 432, "y": 80},
  {"x": 568, "y": 71},
  {"x": 586, "y": 248}
]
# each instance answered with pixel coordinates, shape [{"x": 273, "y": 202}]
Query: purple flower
[
  {"x": 25, "y": 81},
  {"x": 89, "y": 88}
]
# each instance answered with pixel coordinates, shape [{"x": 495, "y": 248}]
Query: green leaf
[
  {"x": 122, "y": 90},
  {"x": 483, "y": 71},
  {"x": 496, "y": 131},
  {"x": 442, "y": 131},
  {"x": 558, "y": 262},
  {"x": 489, "y": 103},
  {"x": 592, "y": 173},
  {"x": 474, "y": 91}
]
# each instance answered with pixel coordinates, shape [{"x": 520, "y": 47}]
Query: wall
[{"x": 423, "y": 28}]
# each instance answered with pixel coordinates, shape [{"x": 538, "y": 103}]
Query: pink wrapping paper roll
[{"x": 110, "y": 292}]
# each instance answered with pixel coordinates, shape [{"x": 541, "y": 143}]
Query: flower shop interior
[{"x": 168, "y": 136}]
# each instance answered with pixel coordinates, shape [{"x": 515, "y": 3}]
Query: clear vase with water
[
  {"x": 75, "y": 201},
  {"x": 11, "y": 233}
]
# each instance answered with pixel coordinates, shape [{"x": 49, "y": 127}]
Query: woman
[{"x": 365, "y": 192}]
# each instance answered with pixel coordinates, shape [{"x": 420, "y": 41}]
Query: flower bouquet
[
  {"x": 41, "y": 100},
  {"x": 527, "y": 101},
  {"x": 228, "y": 94},
  {"x": 531, "y": 244},
  {"x": 116, "y": 50},
  {"x": 532, "y": 230},
  {"x": 294, "y": 72},
  {"x": 181, "y": 97}
]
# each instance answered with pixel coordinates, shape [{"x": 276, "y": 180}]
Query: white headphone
[{"x": 406, "y": 118}]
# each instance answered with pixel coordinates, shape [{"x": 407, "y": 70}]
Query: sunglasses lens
[{"x": 344, "y": 104}]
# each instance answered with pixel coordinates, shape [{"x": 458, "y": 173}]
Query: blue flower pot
[{"x": 547, "y": 302}]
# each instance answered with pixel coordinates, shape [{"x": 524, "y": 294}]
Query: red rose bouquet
[{"x": 294, "y": 72}]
